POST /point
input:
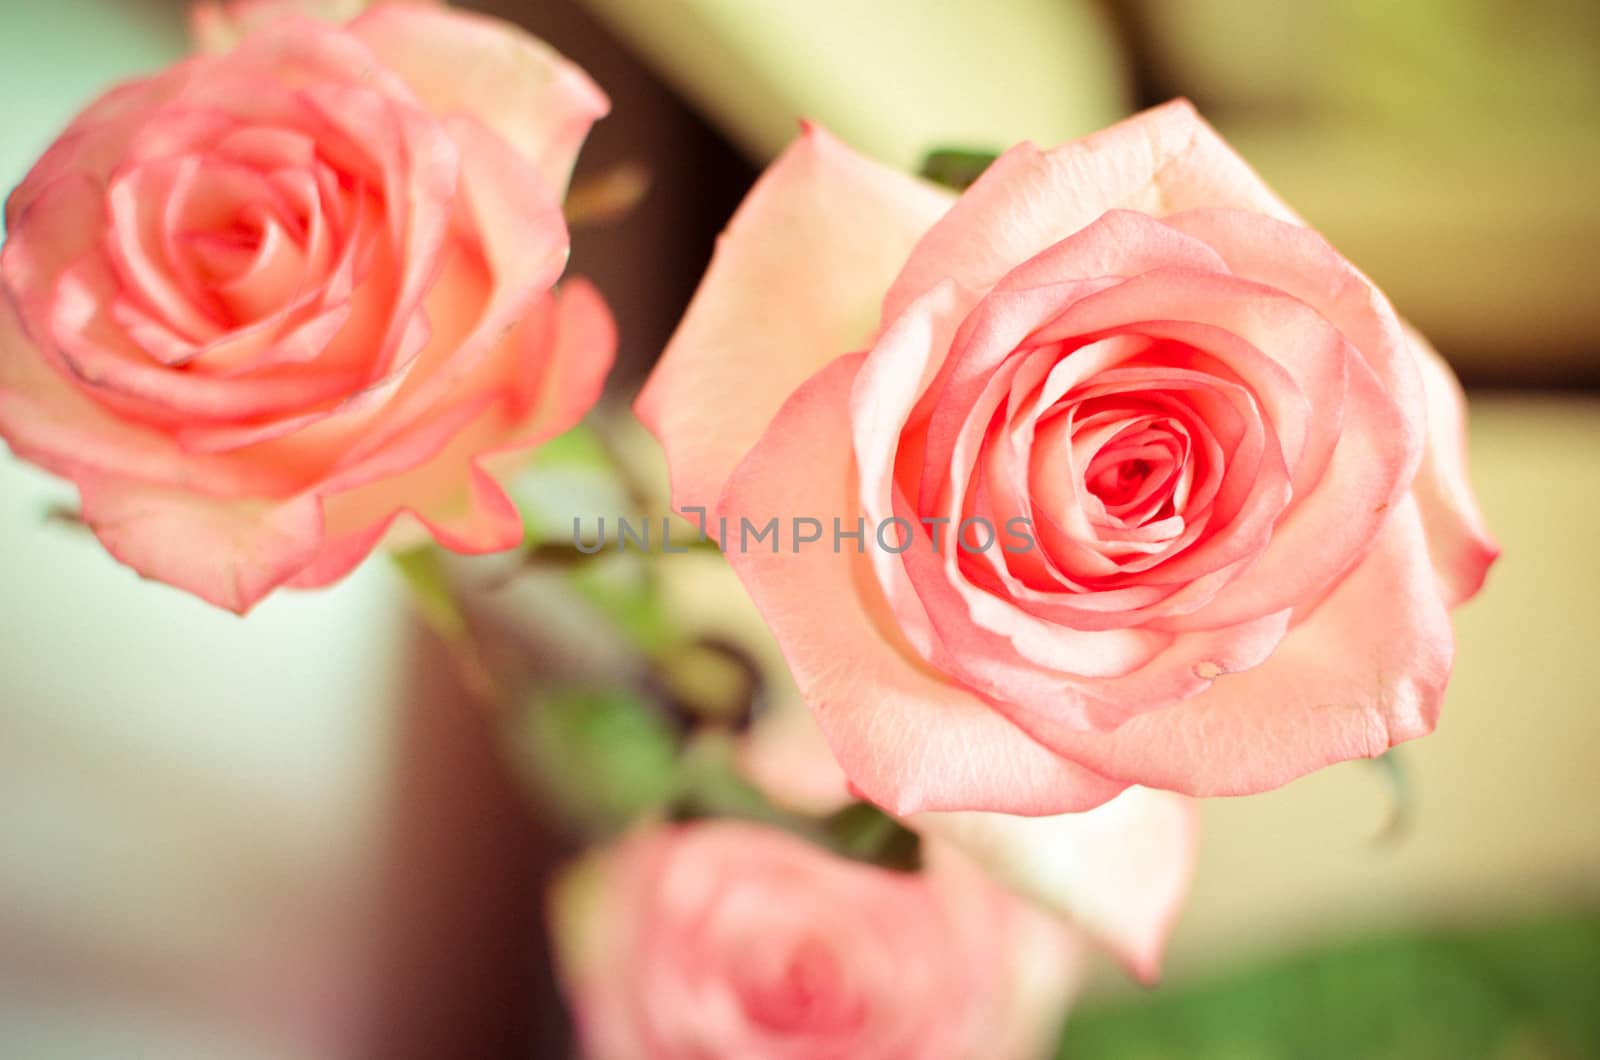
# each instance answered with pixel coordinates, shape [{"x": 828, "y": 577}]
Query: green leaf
[
  {"x": 436, "y": 603},
  {"x": 621, "y": 588},
  {"x": 956, "y": 167},
  {"x": 712, "y": 787},
  {"x": 1520, "y": 991},
  {"x": 866, "y": 833},
  {"x": 431, "y": 595},
  {"x": 602, "y": 756}
]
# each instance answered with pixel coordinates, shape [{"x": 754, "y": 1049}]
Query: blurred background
[{"x": 295, "y": 836}]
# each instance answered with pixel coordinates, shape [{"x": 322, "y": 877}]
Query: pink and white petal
[
  {"x": 796, "y": 281},
  {"x": 1462, "y": 548},
  {"x": 1364, "y": 672},
  {"x": 228, "y": 553},
  {"x": 907, "y": 739},
  {"x": 887, "y": 388},
  {"x": 1120, "y": 871},
  {"x": 460, "y": 62},
  {"x": 1162, "y": 161}
]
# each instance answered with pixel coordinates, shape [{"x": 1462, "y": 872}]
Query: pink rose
[
  {"x": 730, "y": 940},
  {"x": 1223, "y": 486},
  {"x": 264, "y": 303}
]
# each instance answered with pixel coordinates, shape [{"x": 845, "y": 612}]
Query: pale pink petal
[
  {"x": 1460, "y": 543},
  {"x": 228, "y": 553},
  {"x": 464, "y": 63},
  {"x": 1367, "y": 670},
  {"x": 1120, "y": 871},
  {"x": 1162, "y": 161},
  {"x": 907, "y": 739},
  {"x": 796, "y": 281}
]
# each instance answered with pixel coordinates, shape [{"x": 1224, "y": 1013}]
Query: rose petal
[
  {"x": 1460, "y": 543},
  {"x": 1121, "y": 871},
  {"x": 464, "y": 63},
  {"x": 752, "y": 333},
  {"x": 1162, "y": 161},
  {"x": 1364, "y": 672},
  {"x": 52, "y": 423},
  {"x": 1300, "y": 263},
  {"x": 228, "y": 553}
]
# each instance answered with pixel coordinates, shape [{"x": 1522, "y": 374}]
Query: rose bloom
[
  {"x": 263, "y": 303},
  {"x": 723, "y": 939},
  {"x": 1244, "y": 476}
]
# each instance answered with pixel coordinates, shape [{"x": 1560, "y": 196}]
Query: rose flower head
[
  {"x": 724, "y": 939},
  {"x": 263, "y": 304},
  {"x": 1125, "y": 476}
]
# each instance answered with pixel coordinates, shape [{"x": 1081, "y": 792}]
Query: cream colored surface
[{"x": 898, "y": 77}]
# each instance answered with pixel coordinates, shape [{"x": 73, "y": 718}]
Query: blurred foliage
[
  {"x": 622, "y": 587},
  {"x": 954, "y": 167},
  {"x": 1524, "y": 992},
  {"x": 866, "y": 833},
  {"x": 603, "y": 757}
]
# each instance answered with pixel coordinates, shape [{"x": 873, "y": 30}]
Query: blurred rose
[
  {"x": 261, "y": 304},
  {"x": 1240, "y": 482},
  {"x": 729, "y": 940}
]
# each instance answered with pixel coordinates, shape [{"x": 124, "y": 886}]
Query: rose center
[
  {"x": 1119, "y": 483},
  {"x": 803, "y": 993}
]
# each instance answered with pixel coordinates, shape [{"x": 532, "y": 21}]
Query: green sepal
[{"x": 955, "y": 167}]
